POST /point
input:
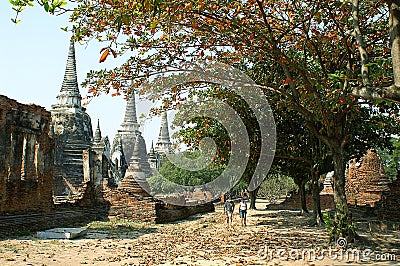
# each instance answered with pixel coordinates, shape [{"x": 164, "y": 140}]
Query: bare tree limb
[
  {"x": 394, "y": 28},
  {"x": 360, "y": 43}
]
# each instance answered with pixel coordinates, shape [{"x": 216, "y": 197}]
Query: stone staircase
[
  {"x": 73, "y": 162},
  {"x": 72, "y": 197}
]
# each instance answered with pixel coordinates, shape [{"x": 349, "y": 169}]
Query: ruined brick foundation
[{"x": 122, "y": 205}]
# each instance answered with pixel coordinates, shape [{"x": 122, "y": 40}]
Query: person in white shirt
[{"x": 243, "y": 211}]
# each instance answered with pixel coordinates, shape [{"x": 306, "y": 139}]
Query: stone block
[{"x": 62, "y": 233}]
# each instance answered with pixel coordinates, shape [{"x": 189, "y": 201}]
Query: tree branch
[
  {"x": 360, "y": 43},
  {"x": 394, "y": 28}
]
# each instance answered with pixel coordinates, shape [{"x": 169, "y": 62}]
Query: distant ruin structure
[
  {"x": 154, "y": 158},
  {"x": 163, "y": 145},
  {"x": 128, "y": 131},
  {"x": 366, "y": 181}
]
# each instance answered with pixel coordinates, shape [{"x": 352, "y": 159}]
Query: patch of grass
[
  {"x": 24, "y": 232},
  {"x": 121, "y": 227},
  {"x": 112, "y": 224}
]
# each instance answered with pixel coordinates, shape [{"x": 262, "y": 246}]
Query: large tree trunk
[
  {"x": 253, "y": 197},
  {"x": 318, "y": 219},
  {"x": 339, "y": 193},
  {"x": 303, "y": 202},
  {"x": 343, "y": 221}
]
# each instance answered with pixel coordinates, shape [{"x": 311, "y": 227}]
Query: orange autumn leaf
[{"x": 103, "y": 57}]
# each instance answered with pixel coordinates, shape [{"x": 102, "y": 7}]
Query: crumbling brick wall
[
  {"x": 389, "y": 207},
  {"x": 366, "y": 181},
  {"x": 26, "y": 157},
  {"x": 125, "y": 206}
]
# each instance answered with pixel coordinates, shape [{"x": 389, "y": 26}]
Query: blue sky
[{"x": 32, "y": 63}]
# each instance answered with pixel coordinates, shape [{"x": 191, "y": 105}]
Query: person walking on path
[
  {"x": 243, "y": 211},
  {"x": 228, "y": 209}
]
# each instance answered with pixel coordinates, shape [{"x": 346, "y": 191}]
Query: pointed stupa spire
[
  {"x": 163, "y": 145},
  {"x": 130, "y": 120},
  {"x": 69, "y": 93},
  {"x": 97, "y": 134},
  {"x": 70, "y": 82}
]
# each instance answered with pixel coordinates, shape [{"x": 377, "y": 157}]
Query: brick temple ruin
[
  {"x": 54, "y": 171},
  {"x": 367, "y": 185},
  {"x": 366, "y": 181}
]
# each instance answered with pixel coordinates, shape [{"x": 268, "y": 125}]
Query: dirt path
[{"x": 271, "y": 238}]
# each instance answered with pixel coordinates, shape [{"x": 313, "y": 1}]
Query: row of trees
[
  {"x": 313, "y": 60},
  {"x": 163, "y": 181}
]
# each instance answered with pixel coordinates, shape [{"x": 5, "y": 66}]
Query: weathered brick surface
[
  {"x": 26, "y": 157},
  {"x": 126, "y": 206},
  {"x": 366, "y": 182},
  {"x": 389, "y": 207},
  {"x": 123, "y": 205},
  {"x": 33, "y": 221}
]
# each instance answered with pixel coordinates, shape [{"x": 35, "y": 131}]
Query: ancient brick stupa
[
  {"x": 366, "y": 182},
  {"x": 154, "y": 158},
  {"x": 163, "y": 145},
  {"x": 72, "y": 131},
  {"x": 101, "y": 145},
  {"x": 134, "y": 148},
  {"x": 138, "y": 171},
  {"x": 129, "y": 127}
]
